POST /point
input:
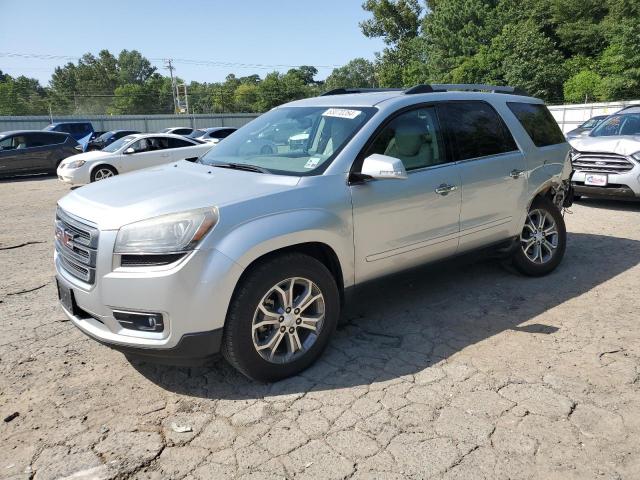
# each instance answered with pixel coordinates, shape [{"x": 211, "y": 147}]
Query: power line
[{"x": 210, "y": 63}]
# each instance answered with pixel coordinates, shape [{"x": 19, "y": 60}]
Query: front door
[
  {"x": 147, "y": 152},
  {"x": 402, "y": 223}
]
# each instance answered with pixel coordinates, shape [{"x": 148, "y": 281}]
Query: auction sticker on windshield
[
  {"x": 341, "y": 113},
  {"x": 595, "y": 180}
]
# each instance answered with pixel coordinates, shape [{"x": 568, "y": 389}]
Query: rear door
[
  {"x": 180, "y": 149},
  {"x": 492, "y": 169}
]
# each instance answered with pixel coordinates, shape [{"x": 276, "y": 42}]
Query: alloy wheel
[
  {"x": 539, "y": 237},
  {"x": 288, "y": 320},
  {"x": 103, "y": 173}
]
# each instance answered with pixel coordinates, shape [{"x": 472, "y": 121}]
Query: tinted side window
[
  {"x": 44, "y": 139},
  {"x": 538, "y": 122},
  {"x": 476, "y": 129},
  {"x": 413, "y": 137},
  {"x": 182, "y": 131},
  {"x": 177, "y": 143}
]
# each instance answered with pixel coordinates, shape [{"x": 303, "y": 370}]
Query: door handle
[
  {"x": 445, "y": 189},
  {"x": 516, "y": 173}
]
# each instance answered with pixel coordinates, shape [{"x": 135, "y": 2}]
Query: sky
[{"x": 274, "y": 34}]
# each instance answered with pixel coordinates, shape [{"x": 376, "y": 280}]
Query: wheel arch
[
  {"x": 102, "y": 164},
  {"x": 320, "y": 251}
]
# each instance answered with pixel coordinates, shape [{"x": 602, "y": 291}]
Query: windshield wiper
[{"x": 241, "y": 166}]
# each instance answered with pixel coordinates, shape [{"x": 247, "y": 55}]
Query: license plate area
[
  {"x": 65, "y": 295},
  {"x": 596, "y": 180}
]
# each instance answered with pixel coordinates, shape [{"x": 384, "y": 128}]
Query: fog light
[{"x": 145, "y": 322}]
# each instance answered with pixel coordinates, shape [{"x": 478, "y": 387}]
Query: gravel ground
[{"x": 457, "y": 371}]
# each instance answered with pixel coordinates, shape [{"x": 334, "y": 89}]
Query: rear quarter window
[{"x": 538, "y": 122}]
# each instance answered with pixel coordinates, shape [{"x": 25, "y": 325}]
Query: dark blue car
[{"x": 79, "y": 131}]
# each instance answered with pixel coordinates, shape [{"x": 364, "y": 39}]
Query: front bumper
[
  {"x": 74, "y": 176},
  {"x": 619, "y": 186},
  {"x": 192, "y": 295}
]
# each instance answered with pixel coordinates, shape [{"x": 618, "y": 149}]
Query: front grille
[
  {"x": 77, "y": 246},
  {"x": 601, "y": 162}
]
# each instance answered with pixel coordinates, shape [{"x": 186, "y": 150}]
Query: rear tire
[
  {"x": 543, "y": 240},
  {"x": 102, "y": 172},
  {"x": 281, "y": 317}
]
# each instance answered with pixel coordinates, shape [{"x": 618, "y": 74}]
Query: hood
[
  {"x": 622, "y": 145},
  {"x": 167, "y": 189},
  {"x": 87, "y": 156}
]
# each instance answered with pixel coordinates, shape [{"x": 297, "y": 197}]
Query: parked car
[
  {"x": 184, "y": 131},
  {"x": 107, "y": 138},
  {"x": 607, "y": 161},
  {"x": 132, "y": 152},
  {"x": 252, "y": 254},
  {"x": 213, "y": 134},
  {"x": 80, "y": 131},
  {"x": 33, "y": 151},
  {"x": 586, "y": 127}
]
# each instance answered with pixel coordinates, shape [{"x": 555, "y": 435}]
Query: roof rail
[
  {"x": 434, "y": 87},
  {"x": 422, "y": 88},
  {"x": 475, "y": 87},
  {"x": 345, "y": 91}
]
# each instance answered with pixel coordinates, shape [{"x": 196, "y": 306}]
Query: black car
[
  {"x": 33, "y": 151},
  {"x": 107, "y": 138}
]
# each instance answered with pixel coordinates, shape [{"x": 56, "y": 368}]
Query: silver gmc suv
[{"x": 250, "y": 251}]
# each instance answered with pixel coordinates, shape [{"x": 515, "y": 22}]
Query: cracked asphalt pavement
[{"x": 461, "y": 370}]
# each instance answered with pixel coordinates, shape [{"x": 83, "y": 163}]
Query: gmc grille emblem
[{"x": 64, "y": 237}]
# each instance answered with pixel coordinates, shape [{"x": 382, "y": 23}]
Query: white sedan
[{"x": 132, "y": 152}]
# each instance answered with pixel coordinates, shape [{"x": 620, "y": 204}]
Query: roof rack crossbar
[{"x": 345, "y": 91}]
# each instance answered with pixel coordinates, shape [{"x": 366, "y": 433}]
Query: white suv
[
  {"x": 251, "y": 253},
  {"x": 607, "y": 161}
]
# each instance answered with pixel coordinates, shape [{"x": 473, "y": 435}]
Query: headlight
[
  {"x": 173, "y": 233},
  {"x": 76, "y": 164},
  {"x": 573, "y": 153},
  {"x": 636, "y": 156}
]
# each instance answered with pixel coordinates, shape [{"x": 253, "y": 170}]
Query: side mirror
[
  {"x": 129, "y": 151},
  {"x": 383, "y": 167}
]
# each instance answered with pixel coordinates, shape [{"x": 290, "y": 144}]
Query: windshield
[
  {"x": 196, "y": 134},
  {"x": 291, "y": 140},
  {"x": 626, "y": 124},
  {"x": 104, "y": 137},
  {"x": 115, "y": 146},
  {"x": 592, "y": 122}
]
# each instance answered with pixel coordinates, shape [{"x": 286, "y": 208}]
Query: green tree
[
  {"x": 584, "y": 86},
  {"x": 359, "y": 72},
  {"x": 133, "y": 68}
]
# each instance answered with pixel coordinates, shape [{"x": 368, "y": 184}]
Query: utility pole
[{"x": 171, "y": 68}]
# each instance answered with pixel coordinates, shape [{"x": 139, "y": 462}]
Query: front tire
[
  {"x": 543, "y": 240},
  {"x": 102, "y": 172},
  {"x": 281, "y": 317}
]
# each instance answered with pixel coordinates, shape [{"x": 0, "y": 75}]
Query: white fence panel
[{"x": 571, "y": 116}]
